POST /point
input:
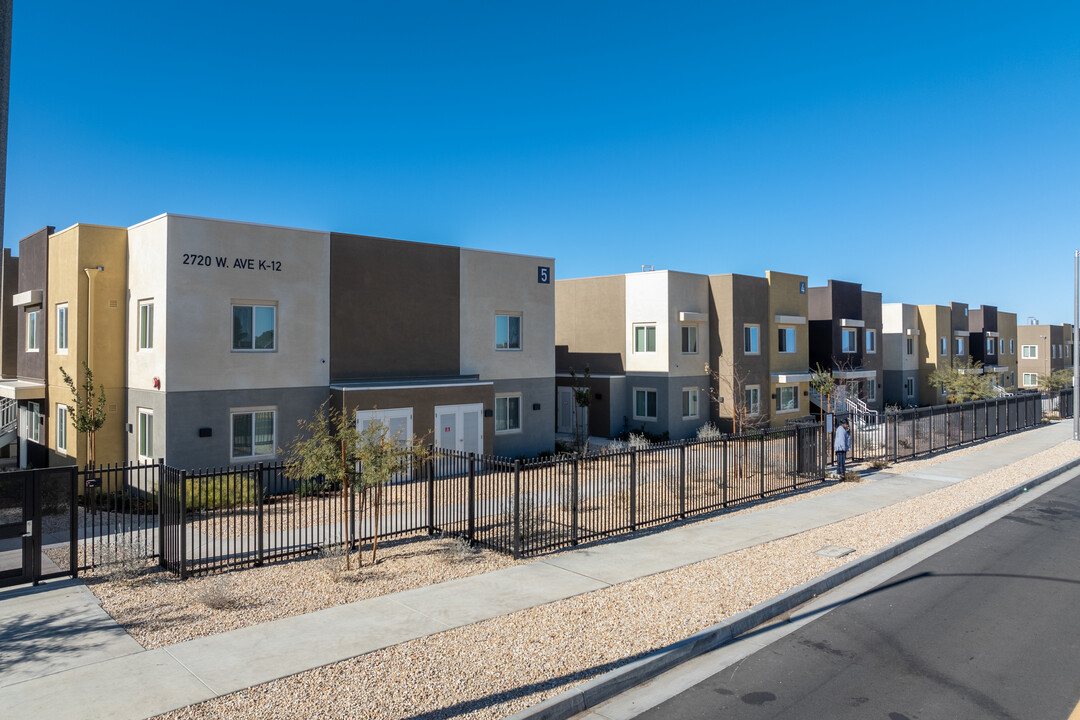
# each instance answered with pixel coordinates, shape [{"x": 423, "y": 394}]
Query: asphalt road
[{"x": 987, "y": 628}]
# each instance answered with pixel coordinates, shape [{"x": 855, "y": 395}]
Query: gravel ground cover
[{"x": 500, "y": 666}]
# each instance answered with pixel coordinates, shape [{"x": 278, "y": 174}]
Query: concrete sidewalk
[{"x": 69, "y": 662}]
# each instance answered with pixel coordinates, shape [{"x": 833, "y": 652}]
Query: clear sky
[{"x": 929, "y": 150}]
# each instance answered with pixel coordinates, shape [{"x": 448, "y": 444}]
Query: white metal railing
[
  {"x": 1001, "y": 392},
  {"x": 844, "y": 402},
  {"x": 9, "y": 415}
]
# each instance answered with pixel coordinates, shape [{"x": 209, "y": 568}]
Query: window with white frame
[
  {"x": 1029, "y": 352},
  {"x": 1001, "y": 346},
  {"x": 750, "y": 339},
  {"x": 62, "y": 329},
  {"x": 508, "y": 331},
  {"x": 909, "y": 387},
  {"x": 944, "y": 346},
  {"x": 645, "y": 338},
  {"x": 1012, "y": 347},
  {"x": 61, "y": 427},
  {"x": 959, "y": 346},
  {"x": 690, "y": 403},
  {"x": 1031, "y": 379},
  {"x": 849, "y": 341},
  {"x": 689, "y": 339},
  {"x": 871, "y": 341},
  {"x": 507, "y": 413},
  {"x": 1067, "y": 350},
  {"x": 787, "y": 398},
  {"x": 144, "y": 437},
  {"x": 785, "y": 340},
  {"x": 33, "y": 419},
  {"x": 146, "y": 325},
  {"x": 753, "y": 399},
  {"x": 644, "y": 404},
  {"x": 252, "y": 433},
  {"x": 911, "y": 346},
  {"x": 32, "y": 331},
  {"x": 871, "y": 390},
  {"x": 254, "y": 327}
]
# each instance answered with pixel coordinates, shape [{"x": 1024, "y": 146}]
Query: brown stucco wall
[
  {"x": 590, "y": 320},
  {"x": 734, "y": 301},
  {"x": 33, "y": 275},
  {"x": 9, "y": 326},
  {"x": 394, "y": 308}
]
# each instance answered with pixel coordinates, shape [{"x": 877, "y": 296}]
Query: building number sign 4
[{"x": 223, "y": 261}]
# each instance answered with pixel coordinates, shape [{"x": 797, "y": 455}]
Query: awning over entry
[{"x": 22, "y": 390}]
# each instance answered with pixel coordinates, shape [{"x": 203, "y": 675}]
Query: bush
[
  {"x": 216, "y": 592},
  {"x": 708, "y": 431},
  {"x": 879, "y": 464},
  {"x": 312, "y": 487},
  {"x": 218, "y": 492},
  {"x": 851, "y": 476}
]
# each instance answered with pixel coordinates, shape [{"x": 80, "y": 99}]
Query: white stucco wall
[
  {"x": 500, "y": 283},
  {"x": 248, "y": 263},
  {"x": 147, "y": 255},
  {"x": 647, "y": 303}
]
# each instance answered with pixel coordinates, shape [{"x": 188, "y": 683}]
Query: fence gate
[{"x": 18, "y": 548}]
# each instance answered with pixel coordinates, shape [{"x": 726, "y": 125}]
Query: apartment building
[
  {"x": 1007, "y": 350},
  {"x": 845, "y": 338},
  {"x": 213, "y": 338},
  {"x": 901, "y": 349},
  {"x": 1043, "y": 349},
  {"x": 988, "y": 346},
  {"x": 644, "y": 339}
]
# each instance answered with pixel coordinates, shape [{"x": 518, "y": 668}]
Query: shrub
[
  {"x": 638, "y": 441},
  {"x": 217, "y": 492},
  {"x": 879, "y": 464},
  {"x": 311, "y": 487},
  {"x": 851, "y": 476},
  {"x": 459, "y": 549},
  {"x": 216, "y": 592},
  {"x": 708, "y": 431}
]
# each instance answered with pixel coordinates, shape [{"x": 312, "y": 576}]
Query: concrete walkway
[{"x": 61, "y": 657}]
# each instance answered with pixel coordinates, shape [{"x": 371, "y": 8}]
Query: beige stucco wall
[
  {"x": 95, "y": 331},
  {"x": 689, "y": 293},
  {"x": 896, "y": 320},
  {"x": 785, "y": 299},
  {"x": 590, "y": 320},
  {"x": 195, "y": 325},
  {"x": 935, "y": 322},
  {"x": 494, "y": 283}
]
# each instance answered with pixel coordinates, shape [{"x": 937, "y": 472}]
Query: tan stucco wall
[
  {"x": 687, "y": 292},
  {"x": 100, "y": 344},
  {"x": 935, "y": 322},
  {"x": 785, "y": 299},
  {"x": 494, "y": 283},
  {"x": 590, "y": 320}
]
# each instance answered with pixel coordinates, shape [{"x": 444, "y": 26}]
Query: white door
[
  {"x": 398, "y": 420},
  {"x": 565, "y": 422},
  {"x": 460, "y": 427}
]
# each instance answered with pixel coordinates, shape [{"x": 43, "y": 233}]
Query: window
[
  {"x": 909, "y": 387},
  {"x": 644, "y": 338},
  {"x": 507, "y": 332},
  {"x": 644, "y": 404},
  {"x": 146, "y": 434},
  {"x": 871, "y": 341},
  {"x": 252, "y": 433},
  {"x": 689, "y": 339},
  {"x": 1067, "y": 351},
  {"x": 750, "y": 339},
  {"x": 911, "y": 346},
  {"x": 61, "y": 427},
  {"x": 785, "y": 340},
  {"x": 959, "y": 346},
  {"x": 32, "y": 330},
  {"x": 690, "y": 402},
  {"x": 146, "y": 326},
  {"x": 507, "y": 413},
  {"x": 1012, "y": 347},
  {"x": 62, "y": 328},
  {"x": 33, "y": 416},
  {"x": 989, "y": 346},
  {"x": 753, "y": 400},
  {"x": 1031, "y": 379},
  {"x": 849, "y": 341},
  {"x": 253, "y": 327},
  {"x": 1001, "y": 346},
  {"x": 787, "y": 398},
  {"x": 1029, "y": 352},
  {"x": 944, "y": 347},
  {"x": 871, "y": 390}
]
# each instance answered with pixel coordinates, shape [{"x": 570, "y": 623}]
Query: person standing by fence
[{"x": 841, "y": 445}]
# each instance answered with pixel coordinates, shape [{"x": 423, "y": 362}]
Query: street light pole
[{"x": 1076, "y": 344}]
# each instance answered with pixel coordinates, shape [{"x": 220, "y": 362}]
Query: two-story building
[{"x": 845, "y": 338}]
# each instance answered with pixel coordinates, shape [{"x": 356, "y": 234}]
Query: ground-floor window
[
  {"x": 1031, "y": 379},
  {"x": 753, "y": 399},
  {"x": 33, "y": 419},
  {"x": 145, "y": 435},
  {"x": 787, "y": 398},
  {"x": 909, "y": 387},
  {"x": 61, "y": 427},
  {"x": 252, "y": 433},
  {"x": 690, "y": 403},
  {"x": 644, "y": 404},
  {"x": 507, "y": 413}
]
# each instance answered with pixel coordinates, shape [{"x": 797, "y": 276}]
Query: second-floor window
[
  {"x": 644, "y": 338},
  {"x": 1029, "y": 352},
  {"x": 62, "y": 328},
  {"x": 146, "y": 325},
  {"x": 785, "y": 340},
  {"x": 849, "y": 341},
  {"x": 508, "y": 332},
  {"x": 989, "y": 346},
  {"x": 871, "y": 341},
  {"x": 254, "y": 327},
  {"x": 959, "y": 346},
  {"x": 944, "y": 347},
  {"x": 689, "y": 339},
  {"x": 750, "y": 339},
  {"x": 32, "y": 342},
  {"x": 911, "y": 346},
  {"x": 1001, "y": 346}
]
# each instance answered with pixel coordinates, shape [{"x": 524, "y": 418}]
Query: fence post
[
  {"x": 472, "y": 497},
  {"x": 517, "y": 509},
  {"x": 161, "y": 512},
  {"x": 574, "y": 502},
  {"x": 259, "y": 507},
  {"x": 761, "y": 456},
  {"x": 633, "y": 490},
  {"x": 682, "y": 479},
  {"x": 723, "y": 469},
  {"x": 182, "y": 492},
  {"x": 430, "y": 468},
  {"x": 798, "y": 446},
  {"x": 73, "y": 535}
]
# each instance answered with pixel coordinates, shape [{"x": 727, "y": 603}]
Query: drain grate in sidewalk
[{"x": 834, "y": 551}]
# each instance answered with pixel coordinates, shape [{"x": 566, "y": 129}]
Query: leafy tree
[
  {"x": 964, "y": 381},
  {"x": 824, "y": 385},
  {"x": 1056, "y": 381},
  {"x": 88, "y": 409}
]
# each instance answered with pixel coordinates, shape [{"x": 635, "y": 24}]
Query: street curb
[{"x": 614, "y": 682}]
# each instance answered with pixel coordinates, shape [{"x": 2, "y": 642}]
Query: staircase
[
  {"x": 844, "y": 404},
  {"x": 9, "y": 421},
  {"x": 1001, "y": 392}
]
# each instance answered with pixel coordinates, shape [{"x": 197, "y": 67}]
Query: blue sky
[{"x": 930, "y": 151}]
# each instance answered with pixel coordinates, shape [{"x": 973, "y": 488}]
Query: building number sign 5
[
  {"x": 223, "y": 261},
  {"x": 543, "y": 275}
]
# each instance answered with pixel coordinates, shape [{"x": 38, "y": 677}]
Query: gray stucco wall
[
  {"x": 893, "y": 383},
  {"x": 537, "y": 426},
  {"x": 186, "y": 412},
  {"x": 668, "y": 405}
]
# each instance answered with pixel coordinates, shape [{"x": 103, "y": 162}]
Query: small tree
[
  {"x": 964, "y": 381},
  {"x": 1054, "y": 383},
  {"x": 88, "y": 411},
  {"x": 743, "y": 419},
  {"x": 582, "y": 400},
  {"x": 824, "y": 385}
]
